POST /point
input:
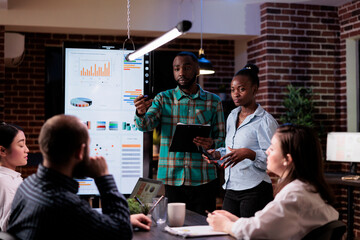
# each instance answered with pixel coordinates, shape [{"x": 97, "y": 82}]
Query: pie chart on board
[{"x": 81, "y": 102}]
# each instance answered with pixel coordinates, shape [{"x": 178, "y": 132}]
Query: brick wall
[
  {"x": 2, "y": 71},
  {"x": 349, "y": 19},
  {"x": 24, "y": 94},
  {"x": 305, "y": 45},
  {"x": 299, "y": 44}
]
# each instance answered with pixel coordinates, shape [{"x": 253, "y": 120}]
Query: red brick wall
[
  {"x": 349, "y": 18},
  {"x": 221, "y": 54},
  {"x": 299, "y": 44},
  {"x": 2, "y": 71},
  {"x": 305, "y": 45},
  {"x": 24, "y": 85}
]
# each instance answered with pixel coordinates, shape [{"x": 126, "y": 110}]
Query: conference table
[{"x": 191, "y": 219}]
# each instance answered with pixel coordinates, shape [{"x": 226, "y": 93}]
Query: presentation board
[{"x": 99, "y": 88}]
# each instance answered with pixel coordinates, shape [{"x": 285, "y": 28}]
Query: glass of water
[{"x": 160, "y": 211}]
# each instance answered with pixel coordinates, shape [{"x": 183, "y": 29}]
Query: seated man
[{"x": 46, "y": 205}]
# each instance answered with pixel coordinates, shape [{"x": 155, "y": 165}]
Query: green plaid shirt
[{"x": 171, "y": 107}]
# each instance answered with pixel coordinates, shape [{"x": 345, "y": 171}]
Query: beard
[
  {"x": 188, "y": 84},
  {"x": 81, "y": 169}
]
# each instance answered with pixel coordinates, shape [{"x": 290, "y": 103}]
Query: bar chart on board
[{"x": 95, "y": 68}]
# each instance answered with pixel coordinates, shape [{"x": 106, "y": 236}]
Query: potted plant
[
  {"x": 135, "y": 207},
  {"x": 299, "y": 106}
]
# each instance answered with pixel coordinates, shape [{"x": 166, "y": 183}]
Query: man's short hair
[
  {"x": 60, "y": 137},
  {"x": 190, "y": 54}
]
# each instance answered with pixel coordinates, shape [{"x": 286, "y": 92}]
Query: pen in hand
[
  {"x": 209, "y": 212},
  {"x": 138, "y": 200}
]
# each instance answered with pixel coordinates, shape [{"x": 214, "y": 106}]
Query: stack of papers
[{"x": 193, "y": 231}]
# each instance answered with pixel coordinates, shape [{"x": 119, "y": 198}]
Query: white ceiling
[{"x": 237, "y": 19}]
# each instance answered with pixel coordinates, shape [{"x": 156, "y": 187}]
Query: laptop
[{"x": 146, "y": 189}]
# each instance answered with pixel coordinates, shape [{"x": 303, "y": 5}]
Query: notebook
[
  {"x": 184, "y": 135},
  {"x": 193, "y": 231}
]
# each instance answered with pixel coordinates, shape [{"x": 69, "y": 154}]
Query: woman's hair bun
[
  {"x": 252, "y": 67},
  {"x": 251, "y": 71}
]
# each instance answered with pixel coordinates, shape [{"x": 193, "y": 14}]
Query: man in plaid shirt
[{"x": 187, "y": 177}]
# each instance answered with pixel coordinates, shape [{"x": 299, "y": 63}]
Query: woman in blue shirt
[{"x": 249, "y": 131}]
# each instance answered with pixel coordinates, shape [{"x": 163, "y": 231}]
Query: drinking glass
[{"x": 160, "y": 211}]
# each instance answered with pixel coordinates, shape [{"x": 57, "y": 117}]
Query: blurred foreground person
[
  {"x": 13, "y": 153},
  {"x": 46, "y": 205}
]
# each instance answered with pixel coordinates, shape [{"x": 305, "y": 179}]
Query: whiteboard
[{"x": 100, "y": 86}]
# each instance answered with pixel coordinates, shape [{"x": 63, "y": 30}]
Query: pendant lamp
[{"x": 204, "y": 64}]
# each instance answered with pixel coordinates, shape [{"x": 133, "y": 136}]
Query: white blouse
[
  {"x": 293, "y": 213},
  {"x": 9, "y": 182}
]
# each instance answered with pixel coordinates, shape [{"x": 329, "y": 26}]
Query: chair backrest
[
  {"x": 6, "y": 236},
  {"x": 331, "y": 231}
]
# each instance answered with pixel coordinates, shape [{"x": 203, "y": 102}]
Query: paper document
[{"x": 193, "y": 231}]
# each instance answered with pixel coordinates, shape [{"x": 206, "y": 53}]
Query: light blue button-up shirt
[{"x": 255, "y": 133}]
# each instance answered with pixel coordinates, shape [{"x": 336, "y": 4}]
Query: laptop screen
[{"x": 146, "y": 189}]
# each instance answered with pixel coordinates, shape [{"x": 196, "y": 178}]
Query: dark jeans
[
  {"x": 247, "y": 202},
  {"x": 197, "y": 198}
]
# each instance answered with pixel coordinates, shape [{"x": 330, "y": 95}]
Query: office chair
[
  {"x": 331, "y": 231},
  {"x": 6, "y": 236}
]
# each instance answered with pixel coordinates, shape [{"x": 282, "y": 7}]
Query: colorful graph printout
[
  {"x": 131, "y": 159},
  {"x": 135, "y": 64},
  {"x": 100, "y": 89},
  {"x": 113, "y": 126},
  {"x": 96, "y": 70},
  {"x": 128, "y": 126},
  {"x": 81, "y": 102},
  {"x": 85, "y": 182},
  {"x": 101, "y": 125},
  {"x": 129, "y": 96},
  {"x": 100, "y": 150}
]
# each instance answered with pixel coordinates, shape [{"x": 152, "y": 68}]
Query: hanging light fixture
[
  {"x": 204, "y": 64},
  {"x": 180, "y": 29}
]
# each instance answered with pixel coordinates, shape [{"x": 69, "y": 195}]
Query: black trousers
[
  {"x": 197, "y": 198},
  {"x": 247, "y": 202}
]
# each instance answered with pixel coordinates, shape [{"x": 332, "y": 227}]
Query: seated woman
[
  {"x": 302, "y": 201},
  {"x": 13, "y": 153}
]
